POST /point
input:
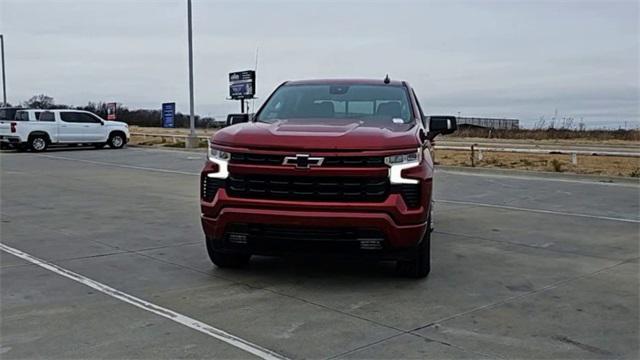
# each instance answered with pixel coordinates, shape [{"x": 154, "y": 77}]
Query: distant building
[{"x": 489, "y": 123}]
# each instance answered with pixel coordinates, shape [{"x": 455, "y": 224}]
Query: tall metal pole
[
  {"x": 4, "y": 79},
  {"x": 191, "y": 140}
]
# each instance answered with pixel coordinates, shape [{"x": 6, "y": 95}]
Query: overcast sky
[{"x": 517, "y": 59}]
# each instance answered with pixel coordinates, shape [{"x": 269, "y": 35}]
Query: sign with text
[
  {"x": 242, "y": 84},
  {"x": 168, "y": 115},
  {"x": 111, "y": 111}
]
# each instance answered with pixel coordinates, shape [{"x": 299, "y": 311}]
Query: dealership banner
[{"x": 111, "y": 111}]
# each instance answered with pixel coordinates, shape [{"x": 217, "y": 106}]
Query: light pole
[
  {"x": 4, "y": 79},
  {"x": 192, "y": 140}
]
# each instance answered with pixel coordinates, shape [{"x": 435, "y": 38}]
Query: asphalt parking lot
[{"x": 523, "y": 267}]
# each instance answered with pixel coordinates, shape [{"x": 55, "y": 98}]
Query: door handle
[{"x": 86, "y": 125}]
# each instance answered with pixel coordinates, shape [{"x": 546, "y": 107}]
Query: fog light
[
  {"x": 237, "y": 238},
  {"x": 371, "y": 244}
]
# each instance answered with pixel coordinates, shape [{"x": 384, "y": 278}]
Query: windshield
[{"x": 380, "y": 103}]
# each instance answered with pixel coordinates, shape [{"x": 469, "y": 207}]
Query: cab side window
[
  {"x": 78, "y": 117},
  {"x": 70, "y": 117},
  {"x": 46, "y": 116},
  {"x": 22, "y": 116},
  {"x": 88, "y": 118}
]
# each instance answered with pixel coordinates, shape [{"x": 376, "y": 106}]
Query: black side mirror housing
[
  {"x": 441, "y": 124},
  {"x": 237, "y": 119}
]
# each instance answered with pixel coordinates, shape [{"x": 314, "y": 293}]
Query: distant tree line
[{"x": 138, "y": 117}]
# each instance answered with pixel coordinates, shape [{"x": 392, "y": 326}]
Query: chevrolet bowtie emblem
[{"x": 303, "y": 161}]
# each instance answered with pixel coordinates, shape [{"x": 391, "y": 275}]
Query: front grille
[
  {"x": 308, "y": 188},
  {"x": 256, "y": 159},
  {"x": 410, "y": 193},
  {"x": 331, "y": 161},
  {"x": 210, "y": 187},
  {"x": 354, "y": 161}
]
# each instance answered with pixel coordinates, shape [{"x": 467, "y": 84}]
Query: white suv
[{"x": 64, "y": 127}]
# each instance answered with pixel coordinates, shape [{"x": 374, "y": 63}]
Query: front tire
[
  {"x": 116, "y": 140},
  {"x": 420, "y": 265},
  {"x": 38, "y": 143},
  {"x": 226, "y": 260}
]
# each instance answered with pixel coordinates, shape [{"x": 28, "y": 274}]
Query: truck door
[
  {"x": 78, "y": 127},
  {"x": 92, "y": 128}
]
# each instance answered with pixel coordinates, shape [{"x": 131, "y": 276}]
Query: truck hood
[
  {"x": 322, "y": 134},
  {"x": 114, "y": 123}
]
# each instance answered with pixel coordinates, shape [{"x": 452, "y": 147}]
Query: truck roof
[{"x": 345, "y": 82}]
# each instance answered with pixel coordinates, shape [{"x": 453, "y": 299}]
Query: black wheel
[
  {"x": 116, "y": 140},
  {"x": 99, "y": 145},
  {"x": 226, "y": 260},
  {"x": 420, "y": 265},
  {"x": 38, "y": 143}
]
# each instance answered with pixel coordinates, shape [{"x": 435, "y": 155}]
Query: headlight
[
  {"x": 404, "y": 158},
  {"x": 220, "y": 158},
  {"x": 397, "y": 163},
  {"x": 215, "y": 154}
]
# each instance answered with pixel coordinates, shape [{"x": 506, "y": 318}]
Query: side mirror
[
  {"x": 441, "y": 124},
  {"x": 237, "y": 119}
]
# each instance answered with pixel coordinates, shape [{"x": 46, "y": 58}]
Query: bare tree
[{"x": 41, "y": 101}]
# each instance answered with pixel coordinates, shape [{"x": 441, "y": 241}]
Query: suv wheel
[
  {"x": 38, "y": 143},
  {"x": 420, "y": 265},
  {"x": 116, "y": 141},
  {"x": 226, "y": 260}
]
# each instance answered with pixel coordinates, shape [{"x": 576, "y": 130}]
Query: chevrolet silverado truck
[
  {"x": 62, "y": 127},
  {"x": 335, "y": 166}
]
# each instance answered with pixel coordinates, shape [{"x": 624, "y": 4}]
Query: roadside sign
[
  {"x": 168, "y": 115},
  {"x": 242, "y": 84},
  {"x": 111, "y": 111}
]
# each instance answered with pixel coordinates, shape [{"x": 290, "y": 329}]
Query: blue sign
[{"x": 168, "y": 115}]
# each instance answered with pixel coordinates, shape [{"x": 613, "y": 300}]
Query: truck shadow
[{"x": 291, "y": 267}]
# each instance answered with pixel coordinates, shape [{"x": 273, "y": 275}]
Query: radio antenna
[{"x": 255, "y": 69}]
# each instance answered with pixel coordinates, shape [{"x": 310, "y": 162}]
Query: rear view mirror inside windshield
[{"x": 338, "y": 89}]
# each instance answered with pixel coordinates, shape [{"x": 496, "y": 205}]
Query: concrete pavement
[{"x": 523, "y": 266}]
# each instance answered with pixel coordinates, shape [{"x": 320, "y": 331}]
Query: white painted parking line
[
  {"x": 540, "y": 211},
  {"x": 145, "y": 305},
  {"x": 120, "y": 165}
]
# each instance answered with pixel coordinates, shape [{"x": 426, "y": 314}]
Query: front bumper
[
  {"x": 396, "y": 226},
  {"x": 389, "y": 223},
  {"x": 393, "y": 235}
]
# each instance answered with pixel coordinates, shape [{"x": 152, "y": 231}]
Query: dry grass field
[{"x": 592, "y": 165}]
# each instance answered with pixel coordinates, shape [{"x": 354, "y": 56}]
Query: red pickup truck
[{"x": 324, "y": 166}]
